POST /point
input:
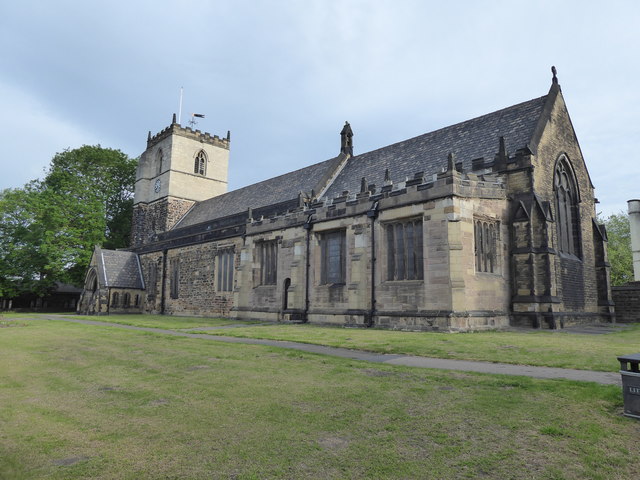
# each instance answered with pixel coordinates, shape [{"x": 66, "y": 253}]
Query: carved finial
[
  {"x": 363, "y": 185},
  {"x": 228, "y": 135},
  {"x": 451, "y": 163},
  {"x": 555, "y": 74},
  {"x": 149, "y": 136},
  {"x": 387, "y": 176},
  {"x": 346, "y": 139},
  {"x": 174, "y": 119}
]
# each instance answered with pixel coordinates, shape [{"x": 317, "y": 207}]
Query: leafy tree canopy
[
  {"x": 619, "y": 248},
  {"x": 49, "y": 227}
]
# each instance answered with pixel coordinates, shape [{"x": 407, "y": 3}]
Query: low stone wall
[{"x": 627, "y": 300}]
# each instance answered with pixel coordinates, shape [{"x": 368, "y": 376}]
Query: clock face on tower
[{"x": 157, "y": 186}]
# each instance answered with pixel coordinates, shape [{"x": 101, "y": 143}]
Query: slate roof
[
  {"x": 469, "y": 140},
  {"x": 268, "y": 192},
  {"x": 428, "y": 153},
  {"x": 120, "y": 269}
]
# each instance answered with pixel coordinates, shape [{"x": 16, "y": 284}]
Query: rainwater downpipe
[
  {"x": 308, "y": 226},
  {"x": 372, "y": 213}
]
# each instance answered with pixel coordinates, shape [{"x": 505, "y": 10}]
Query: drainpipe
[
  {"x": 308, "y": 227},
  {"x": 164, "y": 281},
  {"x": 372, "y": 213},
  {"x": 634, "y": 226}
]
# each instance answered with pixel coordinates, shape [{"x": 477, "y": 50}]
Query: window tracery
[
  {"x": 200, "y": 163},
  {"x": 567, "y": 213},
  {"x": 404, "y": 250},
  {"x": 486, "y": 236},
  {"x": 333, "y": 255}
]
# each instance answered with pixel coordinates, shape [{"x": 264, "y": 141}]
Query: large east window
[
  {"x": 224, "y": 270},
  {"x": 568, "y": 219},
  {"x": 268, "y": 260},
  {"x": 404, "y": 250},
  {"x": 333, "y": 255}
]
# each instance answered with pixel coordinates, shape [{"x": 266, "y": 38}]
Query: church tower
[{"x": 180, "y": 167}]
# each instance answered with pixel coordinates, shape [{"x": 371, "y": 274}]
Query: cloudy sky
[{"x": 284, "y": 76}]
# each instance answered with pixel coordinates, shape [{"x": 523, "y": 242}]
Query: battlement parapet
[
  {"x": 416, "y": 189},
  {"x": 177, "y": 129}
]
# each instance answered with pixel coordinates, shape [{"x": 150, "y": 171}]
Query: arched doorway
[
  {"x": 88, "y": 299},
  {"x": 285, "y": 295}
]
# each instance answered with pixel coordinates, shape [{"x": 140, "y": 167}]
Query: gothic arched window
[
  {"x": 567, "y": 217},
  {"x": 200, "y": 163}
]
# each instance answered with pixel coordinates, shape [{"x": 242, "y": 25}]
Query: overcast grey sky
[{"x": 284, "y": 75}]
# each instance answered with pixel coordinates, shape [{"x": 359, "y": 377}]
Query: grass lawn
[
  {"x": 152, "y": 321},
  {"x": 82, "y": 401},
  {"x": 527, "y": 347},
  {"x": 541, "y": 348}
]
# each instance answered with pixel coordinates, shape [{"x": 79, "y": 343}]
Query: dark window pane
[
  {"x": 400, "y": 252},
  {"x": 411, "y": 260},
  {"x": 404, "y": 251},
  {"x": 417, "y": 246},
  {"x": 334, "y": 255},
  {"x": 391, "y": 254},
  {"x": 268, "y": 260},
  {"x": 332, "y": 246}
]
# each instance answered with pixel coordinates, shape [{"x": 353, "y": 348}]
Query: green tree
[
  {"x": 93, "y": 172},
  {"x": 19, "y": 233},
  {"x": 619, "y": 248},
  {"x": 49, "y": 227}
]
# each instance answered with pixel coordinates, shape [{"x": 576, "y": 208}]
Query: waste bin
[{"x": 629, "y": 369}]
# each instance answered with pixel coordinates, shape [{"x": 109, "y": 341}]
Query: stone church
[{"x": 483, "y": 224}]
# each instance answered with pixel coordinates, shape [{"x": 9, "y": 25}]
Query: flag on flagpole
[{"x": 198, "y": 115}]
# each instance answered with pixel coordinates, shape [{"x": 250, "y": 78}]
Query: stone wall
[
  {"x": 450, "y": 296},
  {"x": 572, "y": 291},
  {"x": 197, "y": 280},
  {"x": 627, "y": 300},
  {"x": 178, "y": 148},
  {"x": 160, "y": 216},
  {"x": 125, "y": 300}
]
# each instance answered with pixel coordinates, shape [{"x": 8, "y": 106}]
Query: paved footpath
[{"x": 605, "y": 378}]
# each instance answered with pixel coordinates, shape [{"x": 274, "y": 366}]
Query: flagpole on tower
[{"x": 180, "y": 108}]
